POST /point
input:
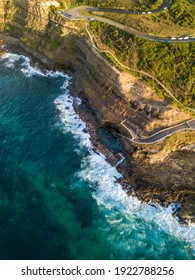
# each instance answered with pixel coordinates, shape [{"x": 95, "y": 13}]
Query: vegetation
[
  {"x": 62, "y": 4},
  {"x": 53, "y": 36},
  {"x": 55, "y": 43},
  {"x": 174, "y": 142},
  {"x": 31, "y": 42},
  {"x": 127, "y": 4},
  {"x": 182, "y": 12},
  {"x": 179, "y": 19},
  {"x": 53, "y": 8},
  {"x": 171, "y": 63}
]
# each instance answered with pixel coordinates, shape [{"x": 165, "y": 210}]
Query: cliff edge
[{"x": 162, "y": 172}]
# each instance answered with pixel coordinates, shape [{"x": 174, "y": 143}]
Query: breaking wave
[
  {"x": 12, "y": 60},
  {"x": 130, "y": 223},
  {"x": 125, "y": 213}
]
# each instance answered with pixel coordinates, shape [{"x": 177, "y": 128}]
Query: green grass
[
  {"x": 181, "y": 13},
  {"x": 172, "y": 64},
  {"x": 127, "y": 4}
]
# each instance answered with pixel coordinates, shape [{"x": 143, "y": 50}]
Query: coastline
[
  {"x": 114, "y": 159},
  {"x": 88, "y": 115},
  {"x": 91, "y": 120}
]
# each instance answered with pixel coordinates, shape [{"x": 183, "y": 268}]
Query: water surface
[{"x": 58, "y": 198}]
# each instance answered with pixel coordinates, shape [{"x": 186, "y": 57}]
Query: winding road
[
  {"x": 160, "y": 135},
  {"x": 164, "y": 6},
  {"x": 78, "y": 12}
]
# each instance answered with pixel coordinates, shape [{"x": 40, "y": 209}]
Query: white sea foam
[
  {"x": 121, "y": 211},
  {"x": 70, "y": 120},
  {"x": 10, "y": 61},
  {"x": 119, "y": 208}
]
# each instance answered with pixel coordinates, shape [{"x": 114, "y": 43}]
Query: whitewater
[
  {"x": 133, "y": 228},
  {"x": 119, "y": 208}
]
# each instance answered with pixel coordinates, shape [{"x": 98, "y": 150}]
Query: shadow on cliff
[{"x": 107, "y": 89}]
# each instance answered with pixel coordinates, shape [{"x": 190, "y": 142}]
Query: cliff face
[
  {"x": 57, "y": 41},
  {"x": 117, "y": 95},
  {"x": 112, "y": 95},
  {"x": 35, "y": 26}
]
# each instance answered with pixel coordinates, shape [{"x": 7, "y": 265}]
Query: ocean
[{"x": 59, "y": 199}]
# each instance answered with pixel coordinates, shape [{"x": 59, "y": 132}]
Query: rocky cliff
[
  {"x": 112, "y": 95},
  {"x": 57, "y": 41}
]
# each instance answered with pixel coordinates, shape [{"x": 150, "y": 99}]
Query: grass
[
  {"x": 179, "y": 19},
  {"x": 151, "y": 24},
  {"x": 127, "y": 4},
  {"x": 172, "y": 64}
]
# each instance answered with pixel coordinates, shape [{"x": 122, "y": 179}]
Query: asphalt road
[
  {"x": 164, "y": 6},
  {"x": 78, "y": 13},
  {"x": 162, "y": 134}
]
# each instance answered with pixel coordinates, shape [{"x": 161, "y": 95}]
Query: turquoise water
[{"x": 58, "y": 198}]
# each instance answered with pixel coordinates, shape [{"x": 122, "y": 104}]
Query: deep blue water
[{"x": 59, "y": 199}]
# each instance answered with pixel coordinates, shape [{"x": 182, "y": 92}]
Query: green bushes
[
  {"x": 183, "y": 12},
  {"x": 171, "y": 63},
  {"x": 128, "y": 4}
]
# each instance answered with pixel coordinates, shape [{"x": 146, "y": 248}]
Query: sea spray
[
  {"x": 11, "y": 60},
  {"x": 131, "y": 229},
  {"x": 109, "y": 194}
]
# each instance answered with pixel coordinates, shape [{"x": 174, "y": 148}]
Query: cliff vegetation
[
  {"x": 172, "y": 64},
  {"x": 161, "y": 172}
]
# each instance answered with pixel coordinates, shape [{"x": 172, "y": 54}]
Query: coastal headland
[{"x": 122, "y": 103}]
